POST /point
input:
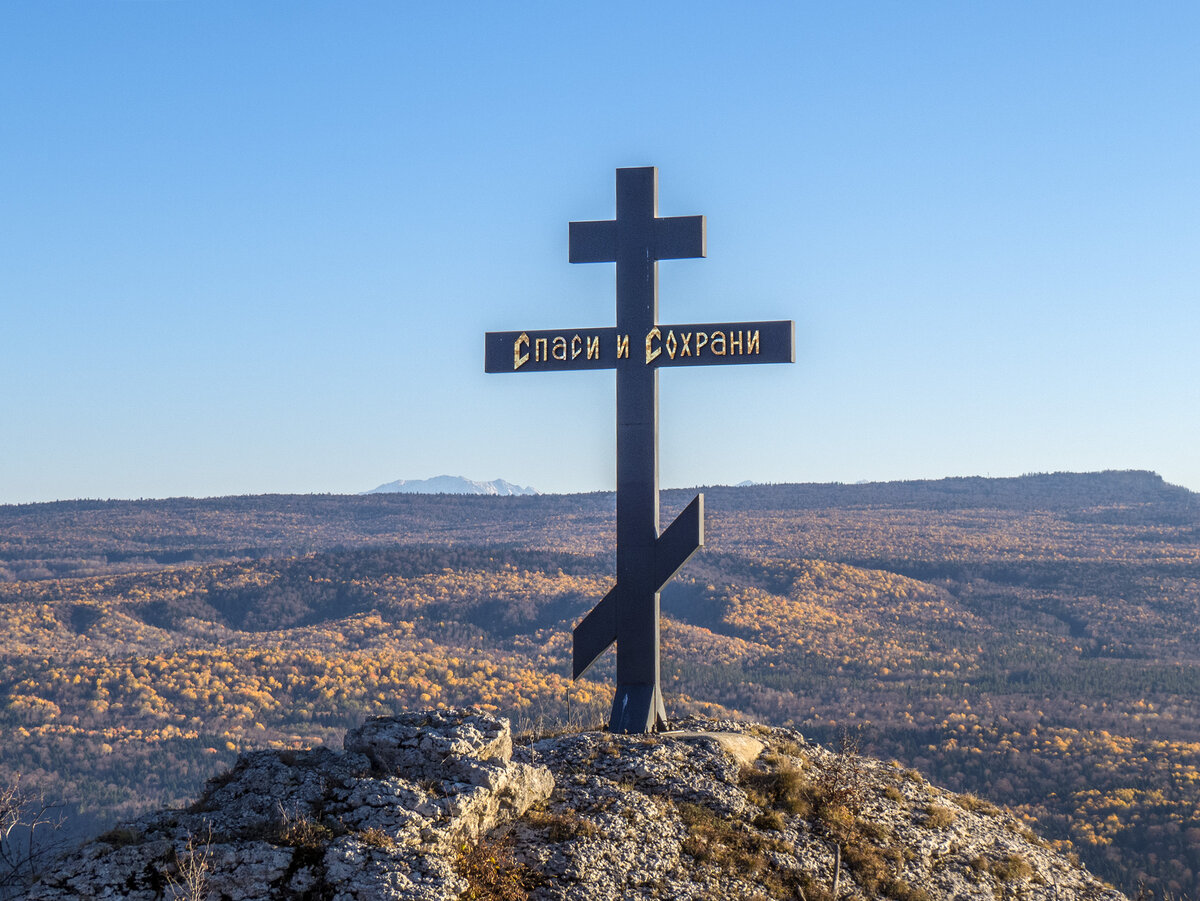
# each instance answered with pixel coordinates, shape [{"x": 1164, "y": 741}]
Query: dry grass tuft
[
  {"x": 377, "y": 838},
  {"x": 939, "y": 817},
  {"x": 491, "y": 872}
]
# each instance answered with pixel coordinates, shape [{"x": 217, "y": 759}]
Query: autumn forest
[{"x": 1035, "y": 641}]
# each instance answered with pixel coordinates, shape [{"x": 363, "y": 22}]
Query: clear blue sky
[{"x": 253, "y": 247}]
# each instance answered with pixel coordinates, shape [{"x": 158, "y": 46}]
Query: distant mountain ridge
[
  {"x": 76, "y": 538},
  {"x": 452, "y": 485},
  {"x": 1082, "y": 492}
]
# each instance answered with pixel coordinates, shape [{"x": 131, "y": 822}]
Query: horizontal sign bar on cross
[{"x": 698, "y": 344}]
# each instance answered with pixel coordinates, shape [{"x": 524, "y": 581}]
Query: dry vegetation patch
[
  {"x": 491, "y": 871},
  {"x": 375, "y": 837},
  {"x": 938, "y": 816},
  {"x": 1009, "y": 868},
  {"x": 714, "y": 840},
  {"x": 829, "y": 794},
  {"x": 559, "y": 825}
]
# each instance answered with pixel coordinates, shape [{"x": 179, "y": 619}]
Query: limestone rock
[
  {"x": 384, "y": 820},
  {"x": 439, "y": 803},
  {"x": 432, "y": 745}
]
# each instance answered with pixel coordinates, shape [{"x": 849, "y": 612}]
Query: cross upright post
[{"x": 636, "y": 240}]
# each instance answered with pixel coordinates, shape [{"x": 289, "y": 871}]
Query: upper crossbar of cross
[{"x": 637, "y": 233}]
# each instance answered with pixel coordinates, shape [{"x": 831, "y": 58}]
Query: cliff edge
[{"x": 438, "y": 804}]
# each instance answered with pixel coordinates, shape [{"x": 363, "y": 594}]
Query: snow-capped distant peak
[{"x": 450, "y": 485}]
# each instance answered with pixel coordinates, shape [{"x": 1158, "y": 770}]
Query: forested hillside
[{"x": 1033, "y": 640}]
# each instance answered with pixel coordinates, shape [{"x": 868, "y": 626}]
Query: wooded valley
[{"x": 1035, "y": 641}]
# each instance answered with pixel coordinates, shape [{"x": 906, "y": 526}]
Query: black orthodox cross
[{"x": 637, "y": 348}]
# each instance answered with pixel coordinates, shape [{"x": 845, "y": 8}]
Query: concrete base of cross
[{"x": 637, "y": 708}]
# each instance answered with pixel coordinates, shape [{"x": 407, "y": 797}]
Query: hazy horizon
[{"x": 738, "y": 484}]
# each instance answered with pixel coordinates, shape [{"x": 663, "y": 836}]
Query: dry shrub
[
  {"x": 1011, "y": 868},
  {"x": 377, "y": 838},
  {"x": 491, "y": 872},
  {"x": 841, "y": 780},
  {"x": 307, "y": 836},
  {"x": 781, "y": 787},
  {"x": 876, "y": 868},
  {"x": 977, "y": 804},
  {"x": 28, "y": 836},
  {"x": 771, "y": 820},
  {"x": 189, "y": 882},
  {"x": 559, "y": 825},
  {"x": 939, "y": 817},
  {"x": 714, "y": 840},
  {"x": 300, "y": 831}
]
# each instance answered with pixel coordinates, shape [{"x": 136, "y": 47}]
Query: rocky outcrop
[
  {"x": 439, "y": 805},
  {"x": 385, "y": 819}
]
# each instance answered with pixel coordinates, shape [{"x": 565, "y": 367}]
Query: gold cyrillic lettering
[
  {"x": 717, "y": 339},
  {"x": 685, "y": 349},
  {"x": 576, "y": 347},
  {"x": 701, "y": 340},
  {"x": 520, "y": 359},
  {"x": 752, "y": 342},
  {"x": 541, "y": 350},
  {"x": 735, "y": 344},
  {"x": 622, "y": 347},
  {"x": 671, "y": 344},
  {"x": 593, "y": 347},
  {"x": 652, "y": 353},
  {"x": 559, "y": 349}
]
